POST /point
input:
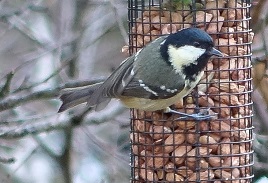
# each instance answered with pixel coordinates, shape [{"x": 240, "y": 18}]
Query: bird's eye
[{"x": 197, "y": 44}]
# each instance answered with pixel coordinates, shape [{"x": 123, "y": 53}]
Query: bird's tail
[{"x": 74, "y": 97}]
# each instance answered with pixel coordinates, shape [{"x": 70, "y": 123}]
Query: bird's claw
[
  {"x": 197, "y": 117},
  {"x": 201, "y": 116}
]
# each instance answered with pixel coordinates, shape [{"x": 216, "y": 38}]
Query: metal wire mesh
[{"x": 164, "y": 149}]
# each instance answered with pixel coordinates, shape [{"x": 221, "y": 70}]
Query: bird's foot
[{"x": 201, "y": 116}]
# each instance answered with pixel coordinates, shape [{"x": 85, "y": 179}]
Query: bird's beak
[{"x": 215, "y": 52}]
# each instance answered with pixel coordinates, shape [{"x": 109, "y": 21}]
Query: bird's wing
[
  {"x": 142, "y": 90},
  {"x": 124, "y": 82},
  {"x": 115, "y": 84},
  {"x": 152, "y": 84}
]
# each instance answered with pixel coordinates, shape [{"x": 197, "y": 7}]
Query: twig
[
  {"x": 259, "y": 59},
  {"x": 62, "y": 159},
  {"x": 106, "y": 147},
  {"x": 260, "y": 111},
  {"x": 255, "y": 22},
  {"x": 20, "y": 120},
  {"x": 22, "y": 9},
  {"x": 24, "y": 129},
  {"x": 18, "y": 100},
  {"x": 104, "y": 115},
  {"x": 6, "y": 88},
  {"x": 45, "y": 80},
  {"x": 7, "y": 160},
  {"x": 25, "y": 160},
  {"x": 263, "y": 34},
  {"x": 119, "y": 22},
  {"x": 20, "y": 25},
  {"x": 65, "y": 159},
  {"x": 17, "y": 22},
  {"x": 15, "y": 101},
  {"x": 46, "y": 148},
  {"x": 261, "y": 166}
]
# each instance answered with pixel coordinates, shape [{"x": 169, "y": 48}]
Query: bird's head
[{"x": 188, "y": 49}]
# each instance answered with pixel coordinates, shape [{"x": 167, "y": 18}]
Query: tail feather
[{"x": 75, "y": 97}]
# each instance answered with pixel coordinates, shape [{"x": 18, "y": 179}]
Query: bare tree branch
[
  {"x": 65, "y": 159},
  {"x": 16, "y": 100},
  {"x": 18, "y": 11},
  {"x": 119, "y": 22},
  {"x": 107, "y": 148},
  {"x": 62, "y": 122},
  {"x": 25, "y": 160},
  {"x": 6, "y": 88},
  {"x": 6, "y": 160}
]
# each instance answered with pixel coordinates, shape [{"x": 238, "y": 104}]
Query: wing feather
[{"x": 115, "y": 84}]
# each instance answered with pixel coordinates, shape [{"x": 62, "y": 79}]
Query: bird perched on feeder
[{"x": 157, "y": 76}]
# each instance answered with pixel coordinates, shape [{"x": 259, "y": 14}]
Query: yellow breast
[{"x": 151, "y": 105}]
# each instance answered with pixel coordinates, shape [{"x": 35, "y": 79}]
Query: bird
[{"x": 155, "y": 77}]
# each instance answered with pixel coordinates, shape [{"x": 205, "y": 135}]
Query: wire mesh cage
[{"x": 165, "y": 149}]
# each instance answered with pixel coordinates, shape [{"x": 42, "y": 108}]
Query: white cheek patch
[{"x": 184, "y": 55}]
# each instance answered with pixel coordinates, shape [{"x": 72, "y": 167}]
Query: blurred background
[{"x": 49, "y": 45}]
